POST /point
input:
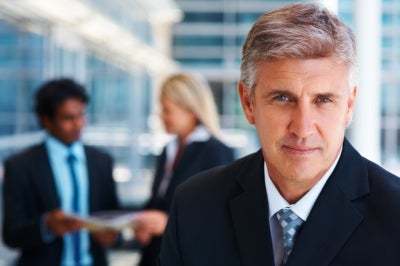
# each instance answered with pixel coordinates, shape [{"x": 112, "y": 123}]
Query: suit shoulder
[
  {"x": 381, "y": 177},
  {"x": 219, "y": 178},
  {"x": 384, "y": 195},
  {"x": 215, "y": 144},
  {"x": 26, "y": 155},
  {"x": 94, "y": 151}
]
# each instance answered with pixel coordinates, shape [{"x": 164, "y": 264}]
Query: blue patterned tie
[
  {"x": 71, "y": 159},
  {"x": 290, "y": 223}
]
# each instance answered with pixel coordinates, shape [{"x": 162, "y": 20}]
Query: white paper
[{"x": 114, "y": 220}]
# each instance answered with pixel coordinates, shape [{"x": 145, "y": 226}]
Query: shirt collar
[
  {"x": 199, "y": 134},
  {"x": 63, "y": 150},
  {"x": 303, "y": 206}
]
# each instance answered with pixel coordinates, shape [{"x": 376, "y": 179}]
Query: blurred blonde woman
[{"x": 188, "y": 111}]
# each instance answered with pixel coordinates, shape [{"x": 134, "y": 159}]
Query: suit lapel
[
  {"x": 334, "y": 217},
  {"x": 185, "y": 166},
  {"x": 329, "y": 226},
  {"x": 159, "y": 171},
  {"x": 94, "y": 192},
  {"x": 44, "y": 180},
  {"x": 250, "y": 215},
  {"x": 189, "y": 154}
]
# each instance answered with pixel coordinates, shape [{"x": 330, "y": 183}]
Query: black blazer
[
  {"x": 197, "y": 157},
  {"x": 29, "y": 190},
  {"x": 220, "y": 217}
]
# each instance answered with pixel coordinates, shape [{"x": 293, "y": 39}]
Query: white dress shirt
[{"x": 302, "y": 207}]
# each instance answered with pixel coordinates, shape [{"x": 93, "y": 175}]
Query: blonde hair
[{"x": 192, "y": 92}]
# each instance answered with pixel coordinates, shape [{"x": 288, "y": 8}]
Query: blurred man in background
[{"x": 46, "y": 183}]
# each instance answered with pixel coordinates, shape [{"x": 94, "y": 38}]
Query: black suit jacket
[
  {"x": 29, "y": 191},
  {"x": 220, "y": 217},
  {"x": 197, "y": 157}
]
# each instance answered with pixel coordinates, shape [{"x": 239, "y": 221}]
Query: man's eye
[
  {"x": 324, "y": 100},
  {"x": 282, "y": 98}
]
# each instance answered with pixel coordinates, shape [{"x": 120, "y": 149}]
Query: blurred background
[{"x": 121, "y": 50}]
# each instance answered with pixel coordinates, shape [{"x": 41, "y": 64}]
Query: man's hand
[
  {"x": 59, "y": 223},
  {"x": 105, "y": 237}
]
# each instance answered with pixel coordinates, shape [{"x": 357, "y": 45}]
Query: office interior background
[{"x": 121, "y": 50}]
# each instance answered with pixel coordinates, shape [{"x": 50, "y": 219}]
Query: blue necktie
[
  {"x": 75, "y": 206},
  {"x": 290, "y": 223}
]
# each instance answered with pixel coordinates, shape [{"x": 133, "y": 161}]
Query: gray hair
[
  {"x": 192, "y": 92},
  {"x": 297, "y": 31}
]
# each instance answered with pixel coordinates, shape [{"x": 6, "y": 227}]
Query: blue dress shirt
[{"x": 58, "y": 153}]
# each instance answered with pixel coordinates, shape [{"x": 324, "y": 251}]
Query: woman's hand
[
  {"x": 105, "y": 237},
  {"x": 148, "y": 224}
]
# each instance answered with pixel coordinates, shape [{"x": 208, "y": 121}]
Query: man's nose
[{"x": 302, "y": 122}]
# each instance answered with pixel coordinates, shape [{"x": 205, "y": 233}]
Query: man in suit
[
  {"x": 40, "y": 192},
  {"x": 307, "y": 197}
]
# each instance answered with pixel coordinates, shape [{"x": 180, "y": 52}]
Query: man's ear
[
  {"x": 351, "y": 104},
  {"x": 246, "y": 101},
  {"x": 45, "y": 121}
]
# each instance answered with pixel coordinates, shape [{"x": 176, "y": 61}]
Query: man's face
[
  {"x": 300, "y": 110},
  {"x": 68, "y": 121}
]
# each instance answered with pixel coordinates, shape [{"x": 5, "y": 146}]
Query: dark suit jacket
[
  {"x": 220, "y": 217},
  {"x": 196, "y": 157},
  {"x": 29, "y": 191}
]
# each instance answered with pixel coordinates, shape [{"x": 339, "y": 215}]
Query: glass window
[
  {"x": 8, "y": 96},
  {"x": 191, "y": 40},
  {"x": 389, "y": 102},
  {"x": 387, "y": 19},
  {"x": 8, "y": 40},
  {"x": 200, "y": 62},
  {"x": 347, "y": 17},
  {"x": 387, "y": 42},
  {"x": 243, "y": 17},
  {"x": 386, "y": 63},
  {"x": 240, "y": 40},
  {"x": 212, "y": 17}
]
